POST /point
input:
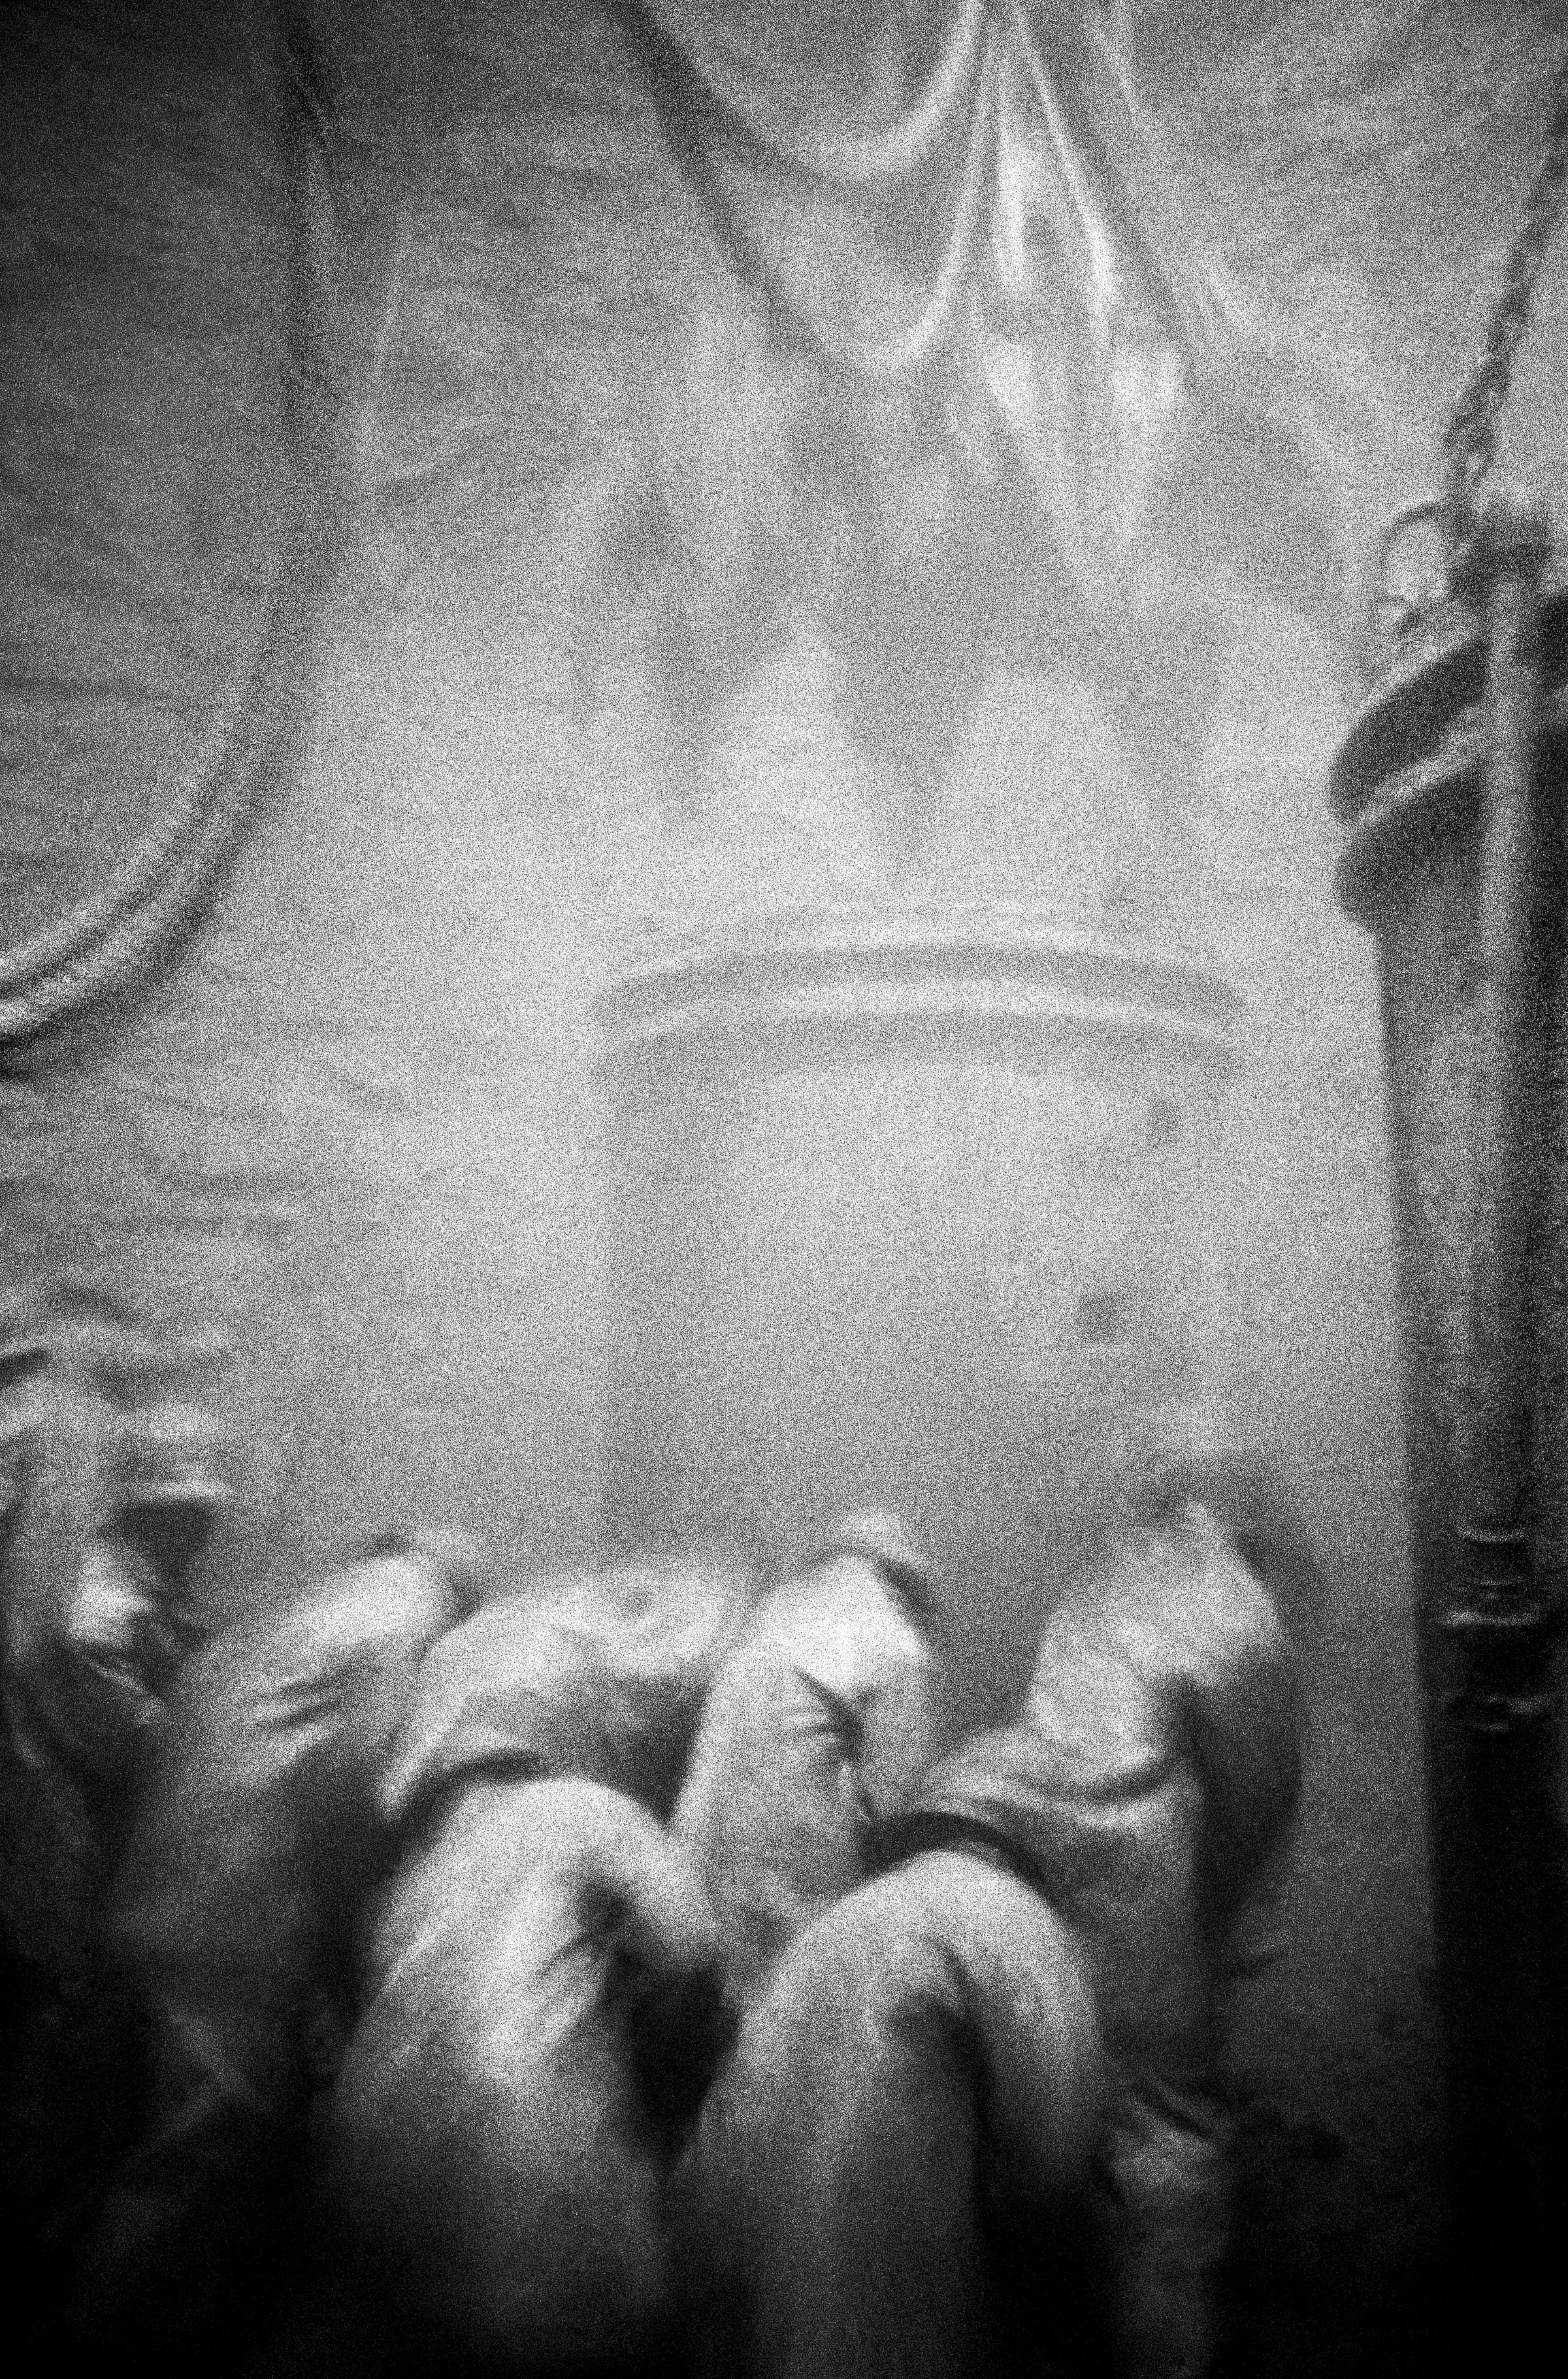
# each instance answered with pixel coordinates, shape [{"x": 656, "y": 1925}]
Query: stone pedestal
[{"x": 910, "y": 1212}]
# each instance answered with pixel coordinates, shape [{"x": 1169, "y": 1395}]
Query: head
[
  {"x": 84, "y": 1383},
  {"x": 667, "y": 1622},
  {"x": 1246, "y": 1491},
  {"x": 178, "y": 1484},
  {"x": 456, "y": 1561},
  {"x": 107, "y": 1508},
  {"x": 63, "y": 1461},
  {"x": 461, "y": 1563},
  {"x": 89, "y": 1335},
  {"x": 885, "y": 1539}
]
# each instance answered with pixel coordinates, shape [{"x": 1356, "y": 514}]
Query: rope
[
  {"x": 1470, "y": 440},
  {"x": 1386, "y": 618}
]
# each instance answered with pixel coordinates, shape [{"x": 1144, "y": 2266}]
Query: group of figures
[{"x": 626, "y": 1971}]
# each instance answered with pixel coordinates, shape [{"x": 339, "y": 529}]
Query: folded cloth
[
  {"x": 1150, "y": 1786},
  {"x": 597, "y": 1673},
  {"x": 918, "y": 2081},
  {"x": 544, "y": 2004},
  {"x": 819, "y": 1725}
]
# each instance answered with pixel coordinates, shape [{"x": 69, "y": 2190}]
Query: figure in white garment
[
  {"x": 544, "y": 1991},
  {"x": 819, "y": 1726},
  {"x": 1152, "y": 1787}
]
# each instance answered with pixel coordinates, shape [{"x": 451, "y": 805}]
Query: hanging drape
[
  {"x": 969, "y": 192},
  {"x": 347, "y": 119}
]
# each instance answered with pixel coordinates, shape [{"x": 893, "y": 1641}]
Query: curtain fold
[
  {"x": 265, "y": 374},
  {"x": 967, "y": 195}
]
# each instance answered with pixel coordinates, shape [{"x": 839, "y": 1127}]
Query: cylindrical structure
[
  {"x": 906, "y": 1212},
  {"x": 1451, "y": 783}
]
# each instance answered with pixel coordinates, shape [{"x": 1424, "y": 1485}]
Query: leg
[
  {"x": 1163, "y": 2229},
  {"x": 197, "y": 2213}
]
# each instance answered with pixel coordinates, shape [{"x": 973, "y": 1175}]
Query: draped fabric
[
  {"x": 595, "y": 1674},
  {"x": 1153, "y": 1777},
  {"x": 819, "y": 1726},
  {"x": 920, "y": 2080},
  {"x": 245, "y": 378},
  {"x": 967, "y": 194},
  {"x": 542, "y": 1963},
  {"x": 232, "y": 1917},
  {"x": 256, "y": 1829},
  {"x": 103, "y": 1498},
  {"x": 1150, "y": 1787}
]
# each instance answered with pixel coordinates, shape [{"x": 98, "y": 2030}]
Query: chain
[{"x": 1470, "y": 440}]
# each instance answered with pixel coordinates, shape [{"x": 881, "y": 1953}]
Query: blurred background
[{"x": 747, "y": 550}]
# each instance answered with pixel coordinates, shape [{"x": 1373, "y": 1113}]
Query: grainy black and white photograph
[{"x": 784, "y": 1158}]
